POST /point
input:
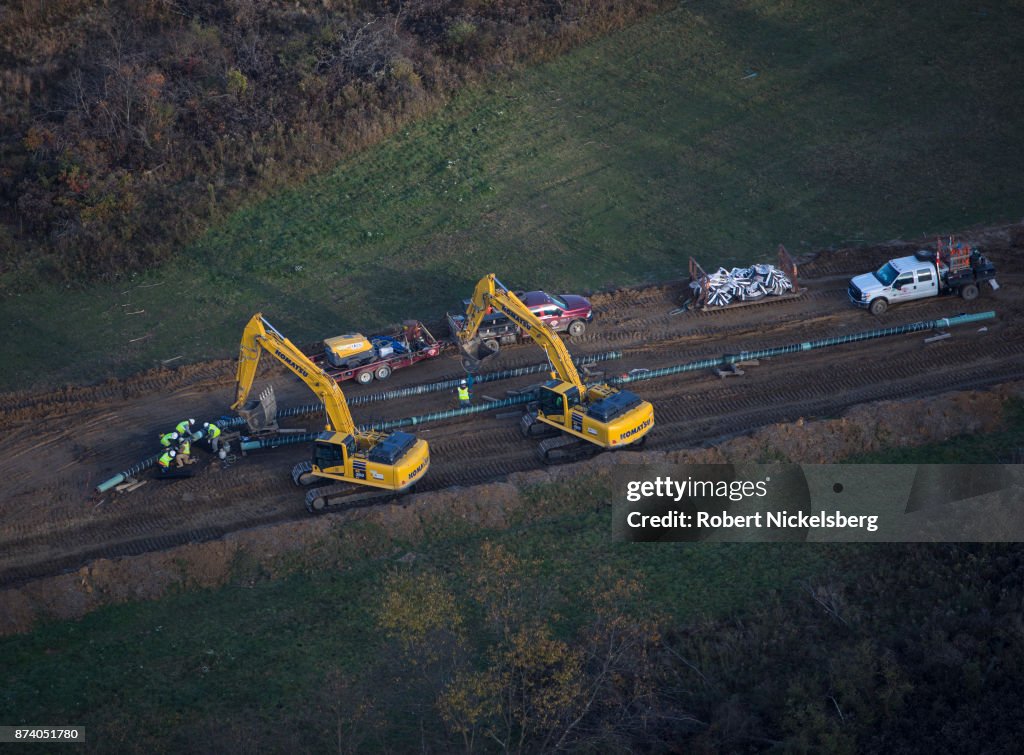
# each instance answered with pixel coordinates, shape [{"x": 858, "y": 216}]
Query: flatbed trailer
[
  {"x": 413, "y": 344},
  {"x": 699, "y": 300}
]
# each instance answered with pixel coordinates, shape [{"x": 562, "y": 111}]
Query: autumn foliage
[
  {"x": 502, "y": 655},
  {"x": 128, "y": 125}
]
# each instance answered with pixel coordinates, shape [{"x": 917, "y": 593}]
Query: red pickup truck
[{"x": 567, "y": 313}]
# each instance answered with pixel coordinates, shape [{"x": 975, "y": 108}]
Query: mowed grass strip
[{"x": 708, "y": 130}]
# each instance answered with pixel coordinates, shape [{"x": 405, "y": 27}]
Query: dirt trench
[
  {"x": 275, "y": 550},
  {"x": 58, "y": 445}
]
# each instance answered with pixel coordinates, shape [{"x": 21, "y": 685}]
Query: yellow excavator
[
  {"x": 392, "y": 462},
  {"x": 585, "y": 418}
]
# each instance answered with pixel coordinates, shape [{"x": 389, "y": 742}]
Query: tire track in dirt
[
  {"x": 469, "y": 458},
  {"x": 48, "y": 524}
]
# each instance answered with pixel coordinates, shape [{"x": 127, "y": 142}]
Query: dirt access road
[{"x": 57, "y": 446}]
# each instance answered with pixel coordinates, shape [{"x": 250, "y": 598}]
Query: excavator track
[
  {"x": 347, "y": 495},
  {"x": 565, "y": 449},
  {"x": 302, "y": 474},
  {"x": 530, "y": 427},
  {"x": 338, "y": 496}
]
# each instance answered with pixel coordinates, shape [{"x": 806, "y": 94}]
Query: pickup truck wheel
[
  {"x": 878, "y": 306},
  {"x": 577, "y": 328},
  {"x": 383, "y": 372},
  {"x": 969, "y": 292},
  {"x": 365, "y": 377}
]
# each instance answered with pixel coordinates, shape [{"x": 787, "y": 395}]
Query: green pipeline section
[
  {"x": 527, "y": 397},
  {"x": 744, "y": 356}
]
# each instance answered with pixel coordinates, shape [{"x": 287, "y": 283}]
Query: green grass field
[
  {"x": 706, "y": 131},
  {"x": 252, "y": 660}
]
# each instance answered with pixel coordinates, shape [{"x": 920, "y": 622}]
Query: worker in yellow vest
[
  {"x": 463, "y": 393},
  {"x": 167, "y": 440},
  {"x": 185, "y": 427},
  {"x": 164, "y": 462},
  {"x": 184, "y": 453},
  {"x": 212, "y": 433}
]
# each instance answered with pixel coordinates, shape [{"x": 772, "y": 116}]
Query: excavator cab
[
  {"x": 557, "y": 398},
  {"x": 331, "y": 450}
]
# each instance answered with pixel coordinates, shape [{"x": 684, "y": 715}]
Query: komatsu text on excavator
[
  {"x": 589, "y": 418},
  {"x": 388, "y": 461}
]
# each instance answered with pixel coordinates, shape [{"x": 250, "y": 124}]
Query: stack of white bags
[{"x": 744, "y": 284}]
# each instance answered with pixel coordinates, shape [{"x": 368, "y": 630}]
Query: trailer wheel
[
  {"x": 577, "y": 328},
  {"x": 365, "y": 377},
  {"x": 383, "y": 372},
  {"x": 492, "y": 345},
  {"x": 969, "y": 292},
  {"x": 878, "y": 306}
]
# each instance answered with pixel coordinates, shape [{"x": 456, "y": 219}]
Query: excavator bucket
[
  {"x": 261, "y": 414},
  {"x": 474, "y": 352}
]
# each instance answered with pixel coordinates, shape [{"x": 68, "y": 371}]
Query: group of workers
[{"x": 177, "y": 444}]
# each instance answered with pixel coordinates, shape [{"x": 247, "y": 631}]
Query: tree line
[
  {"x": 129, "y": 125},
  {"x": 913, "y": 648}
]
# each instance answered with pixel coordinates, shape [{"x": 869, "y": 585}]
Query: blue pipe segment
[
  {"x": 488, "y": 377},
  {"x": 417, "y": 390},
  {"x": 489, "y": 406},
  {"x": 278, "y": 440},
  {"x": 289, "y": 440}
]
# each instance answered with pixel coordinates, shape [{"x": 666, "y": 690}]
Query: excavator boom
[
  {"x": 490, "y": 292},
  {"x": 388, "y": 461},
  {"x": 594, "y": 416},
  {"x": 259, "y": 335}
]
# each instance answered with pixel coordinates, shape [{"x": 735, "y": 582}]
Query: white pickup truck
[{"x": 951, "y": 269}]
